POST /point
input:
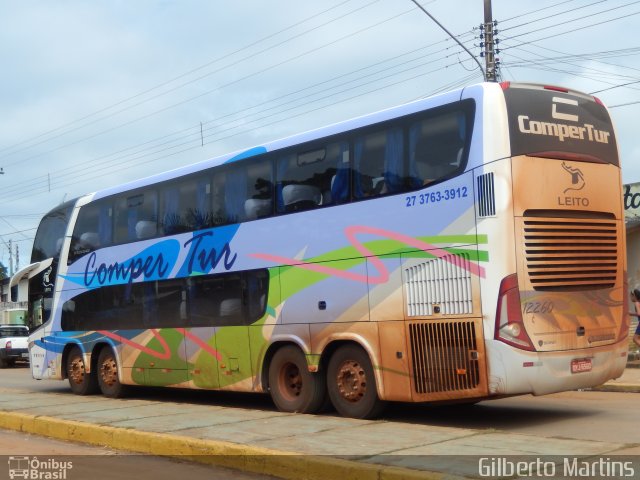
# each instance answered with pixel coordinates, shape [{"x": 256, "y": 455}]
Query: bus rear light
[
  {"x": 509, "y": 324},
  {"x": 505, "y": 85},
  {"x": 8, "y": 345},
  {"x": 556, "y": 89}
]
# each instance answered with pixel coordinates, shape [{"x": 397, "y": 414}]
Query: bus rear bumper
[{"x": 541, "y": 373}]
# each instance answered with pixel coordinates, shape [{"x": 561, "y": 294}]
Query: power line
[
  {"x": 506, "y": 20},
  {"x": 201, "y": 67},
  {"x": 289, "y": 117},
  {"x": 75, "y": 170},
  {"x": 572, "y": 10},
  {"x": 253, "y": 74},
  {"x": 625, "y": 104},
  {"x": 571, "y": 31},
  {"x": 616, "y": 86}
]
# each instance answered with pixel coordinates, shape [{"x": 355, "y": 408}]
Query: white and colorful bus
[{"x": 463, "y": 247}]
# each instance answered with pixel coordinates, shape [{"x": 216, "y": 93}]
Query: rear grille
[
  {"x": 571, "y": 254},
  {"x": 486, "y": 195},
  {"x": 444, "y": 356}
]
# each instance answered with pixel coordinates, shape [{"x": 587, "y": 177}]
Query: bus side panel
[
  {"x": 322, "y": 296},
  {"x": 497, "y": 224}
]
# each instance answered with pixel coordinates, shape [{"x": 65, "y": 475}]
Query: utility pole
[
  {"x": 489, "y": 43},
  {"x": 10, "y": 258}
]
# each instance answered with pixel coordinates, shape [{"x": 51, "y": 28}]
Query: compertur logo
[{"x": 563, "y": 131}]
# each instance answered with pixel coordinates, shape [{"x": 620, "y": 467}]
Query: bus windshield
[{"x": 51, "y": 232}]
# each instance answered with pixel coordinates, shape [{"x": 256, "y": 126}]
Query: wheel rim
[
  {"x": 76, "y": 370},
  {"x": 109, "y": 371},
  {"x": 351, "y": 381},
  {"x": 290, "y": 381}
]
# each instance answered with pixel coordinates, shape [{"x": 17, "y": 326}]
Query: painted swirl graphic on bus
[{"x": 383, "y": 272}]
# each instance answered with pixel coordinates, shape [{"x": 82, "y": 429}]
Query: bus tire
[
  {"x": 81, "y": 382},
  {"x": 293, "y": 388},
  {"x": 108, "y": 379},
  {"x": 351, "y": 383}
]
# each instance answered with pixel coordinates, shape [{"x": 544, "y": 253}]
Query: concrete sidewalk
[
  {"x": 628, "y": 382},
  {"x": 285, "y": 445}
]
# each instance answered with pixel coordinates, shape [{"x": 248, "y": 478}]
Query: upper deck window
[
  {"x": 93, "y": 229},
  {"x": 379, "y": 164},
  {"x": 136, "y": 217},
  {"x": 242, "y": 192},
  {"x": 313, "y": 178},
  {"x": 186, "y": 206},
  {"x": 436, "y": 147}
]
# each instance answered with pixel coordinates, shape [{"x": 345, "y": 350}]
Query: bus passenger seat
[
  {"x": 230, "y": 307},
  {"x": 300, "y": 197},
  {"x": 90, "y": 240},
  {"x": 257, "y": 208},
  {"x": 145, "y": 229}
]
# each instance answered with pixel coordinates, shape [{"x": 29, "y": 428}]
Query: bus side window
[
  {"x": 136, "y": 217},
  {"x": 436, "y": 147},
  {"x": 186, "y": 206},
  {"x": 225, "y": 299},
  {"x": 379, "y": 164},
  {"x": 93, "y": 229},
  {"x": 243, "y": 192},
  {"x": 313, "y": 178}
]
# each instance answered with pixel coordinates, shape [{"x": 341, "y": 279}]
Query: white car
[{"x": 13, "y": 344}]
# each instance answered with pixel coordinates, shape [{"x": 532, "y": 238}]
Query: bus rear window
[{"x": 553, "y": 123}]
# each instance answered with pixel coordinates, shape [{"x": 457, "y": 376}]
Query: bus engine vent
[
  {"x": 486, "y": 196},
  {"x": 439, "y": 286},
  {"x": 571, "y": 254},
  {"x": 444, "y": 356}
]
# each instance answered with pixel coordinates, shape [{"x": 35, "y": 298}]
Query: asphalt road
[{"x": 582, "y": 415}]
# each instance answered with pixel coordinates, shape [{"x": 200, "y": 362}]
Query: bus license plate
[
  {"x": 580, "y": 365},
  {"x": 25, "y": 355}
]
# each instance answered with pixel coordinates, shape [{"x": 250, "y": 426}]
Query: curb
[
  {"x": 287, "y": 465},
  {"x": 617, "y": 387}
]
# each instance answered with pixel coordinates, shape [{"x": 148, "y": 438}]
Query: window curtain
[
  {"x": 132, "y": 220},
  {"x": 393, "y": 160},
  {"x": 105, "y": 225},
  {"x": 202, "y": 213},
  {"x": 414, "y": 135},
  {"x": 235, "y": 194},
  {"x": 358, "y": 150},
  {"x": 171, "y": 220},
  {"x": 340, "y": 183},
  {"x": 281, "y": 170}
]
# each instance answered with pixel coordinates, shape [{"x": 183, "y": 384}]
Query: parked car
[{"x": 13, "y": 344}]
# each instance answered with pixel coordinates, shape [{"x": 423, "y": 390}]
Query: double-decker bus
[{"x": 463, "y": 247}]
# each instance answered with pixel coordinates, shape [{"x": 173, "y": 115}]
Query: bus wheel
[
  {"x": 352, "y": 385},
  {"x": 81, "y": 382},
  {"x": 108, "y": 374},
  {"x": 293, "y": 388}
]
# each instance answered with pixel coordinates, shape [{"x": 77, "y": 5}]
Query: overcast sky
[{"x": 98, "y": 93}]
